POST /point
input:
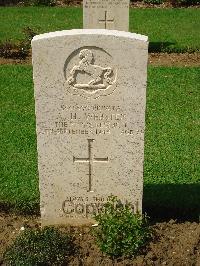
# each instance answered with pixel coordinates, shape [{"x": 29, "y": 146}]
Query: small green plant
[
  {"x": 120, "y": 232},
  {"x": 40, "y": 247}
]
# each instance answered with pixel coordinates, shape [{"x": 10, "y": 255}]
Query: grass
[
  {"x": 172, "y": 120},
  {"x": 19, "y": 178},
  {"x": 40, "y": 19},
  {"x": 171, "y": 140},
  {"x": 172, "y": 144},
  {"x": 169, "y": 30}
]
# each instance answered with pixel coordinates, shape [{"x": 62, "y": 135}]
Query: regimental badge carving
[
  {"x": 90, "y": 72},
  {"x": 100, "y": 76}
]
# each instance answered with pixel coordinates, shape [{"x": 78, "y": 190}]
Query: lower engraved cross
[{"x": 90, "y": 160}]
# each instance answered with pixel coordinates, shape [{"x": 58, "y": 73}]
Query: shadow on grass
[
  {"x": 158, "y": 47},
  {"x": 21, "y": 208},
  {"x": 164, "y": 202}
]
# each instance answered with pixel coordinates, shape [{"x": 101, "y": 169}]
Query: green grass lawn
[
  {"x": 172, "y": 143},
  {"x": 172, "y": 170},
  {"x": 171, "y": 30},
  {"x": 19, "y": 178}
]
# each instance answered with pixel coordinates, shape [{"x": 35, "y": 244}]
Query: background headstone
[
  {"x": 106, "y": 14},
  {"x": 90, "y": 91}
]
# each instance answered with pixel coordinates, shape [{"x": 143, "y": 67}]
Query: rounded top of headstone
[{"x": 91, "y": 32}]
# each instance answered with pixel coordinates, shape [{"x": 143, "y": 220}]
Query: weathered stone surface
[
  {"x": 106, "y": 14},
  {"x": 90, "y": 90}
]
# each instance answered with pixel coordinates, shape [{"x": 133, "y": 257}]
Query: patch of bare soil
[
  {"x": 11, "y": 226},
  {"x": 156, "y": 59},
  {"x": 13, "y": 61},
  {"x": 173, "y": 243},
  {"x": 133, "y": 4},
  {"x": 173, "y": 59}
]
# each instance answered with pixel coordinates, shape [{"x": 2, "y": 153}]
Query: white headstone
[
  {"x": 106, "y": 14},
  {"x": 90, "y": 91}
]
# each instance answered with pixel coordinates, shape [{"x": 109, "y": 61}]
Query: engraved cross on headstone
[
  {"x": 90, "y": 160},
  {"x": 105, "y": 20}
]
